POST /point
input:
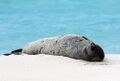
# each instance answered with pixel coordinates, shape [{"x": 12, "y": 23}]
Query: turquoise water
[{"x": 22, "y": 21}]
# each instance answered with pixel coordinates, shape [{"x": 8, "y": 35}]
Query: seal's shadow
[{"x": 106, "y": 61}]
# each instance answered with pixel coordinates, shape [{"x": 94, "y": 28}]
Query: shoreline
[{"x": 58, "y": 68}]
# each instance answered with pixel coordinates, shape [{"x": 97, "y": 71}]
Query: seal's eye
[{"x": 93, "y": 46}]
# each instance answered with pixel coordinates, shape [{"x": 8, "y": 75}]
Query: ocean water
[{"x": 23, "y": 21}]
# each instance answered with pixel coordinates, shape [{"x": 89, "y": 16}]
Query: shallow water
[{"x": 22, "y": 21}]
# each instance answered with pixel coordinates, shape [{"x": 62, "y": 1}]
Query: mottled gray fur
[
  {"x": 66, "y": 45},
  {"x": 73, "y": 46}
]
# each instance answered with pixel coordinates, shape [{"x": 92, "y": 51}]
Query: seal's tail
[{"x": 16, "y": 52}]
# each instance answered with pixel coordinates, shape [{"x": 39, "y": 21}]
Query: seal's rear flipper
[
  {"x": 7, "y": 54},
  {"x": 17, "y": 52}
]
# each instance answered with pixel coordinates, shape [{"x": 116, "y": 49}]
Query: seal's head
[{"x": 94, "y": 52}]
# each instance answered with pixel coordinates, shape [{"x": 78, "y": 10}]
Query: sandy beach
[{"x": 58, "y": 68}]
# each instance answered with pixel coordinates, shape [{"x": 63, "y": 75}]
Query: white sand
[{"x": 58, "y": 68}]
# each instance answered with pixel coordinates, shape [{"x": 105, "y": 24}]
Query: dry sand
[{"x": 57, "y": 68}]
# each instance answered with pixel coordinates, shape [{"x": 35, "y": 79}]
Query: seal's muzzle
[{"x": 94, "y": 52}]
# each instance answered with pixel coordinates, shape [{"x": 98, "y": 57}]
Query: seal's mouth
[{"x": 96, "y": 59}]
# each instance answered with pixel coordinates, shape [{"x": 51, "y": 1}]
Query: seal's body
[
  {"x": 73, "y": 46},
  {"x": 66, "y": 45}
]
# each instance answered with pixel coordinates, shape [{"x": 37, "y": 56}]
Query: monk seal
[{"x": 73, "y": 46}]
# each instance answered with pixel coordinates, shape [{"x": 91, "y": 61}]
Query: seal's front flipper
[{"x": 17, "y": 52}]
